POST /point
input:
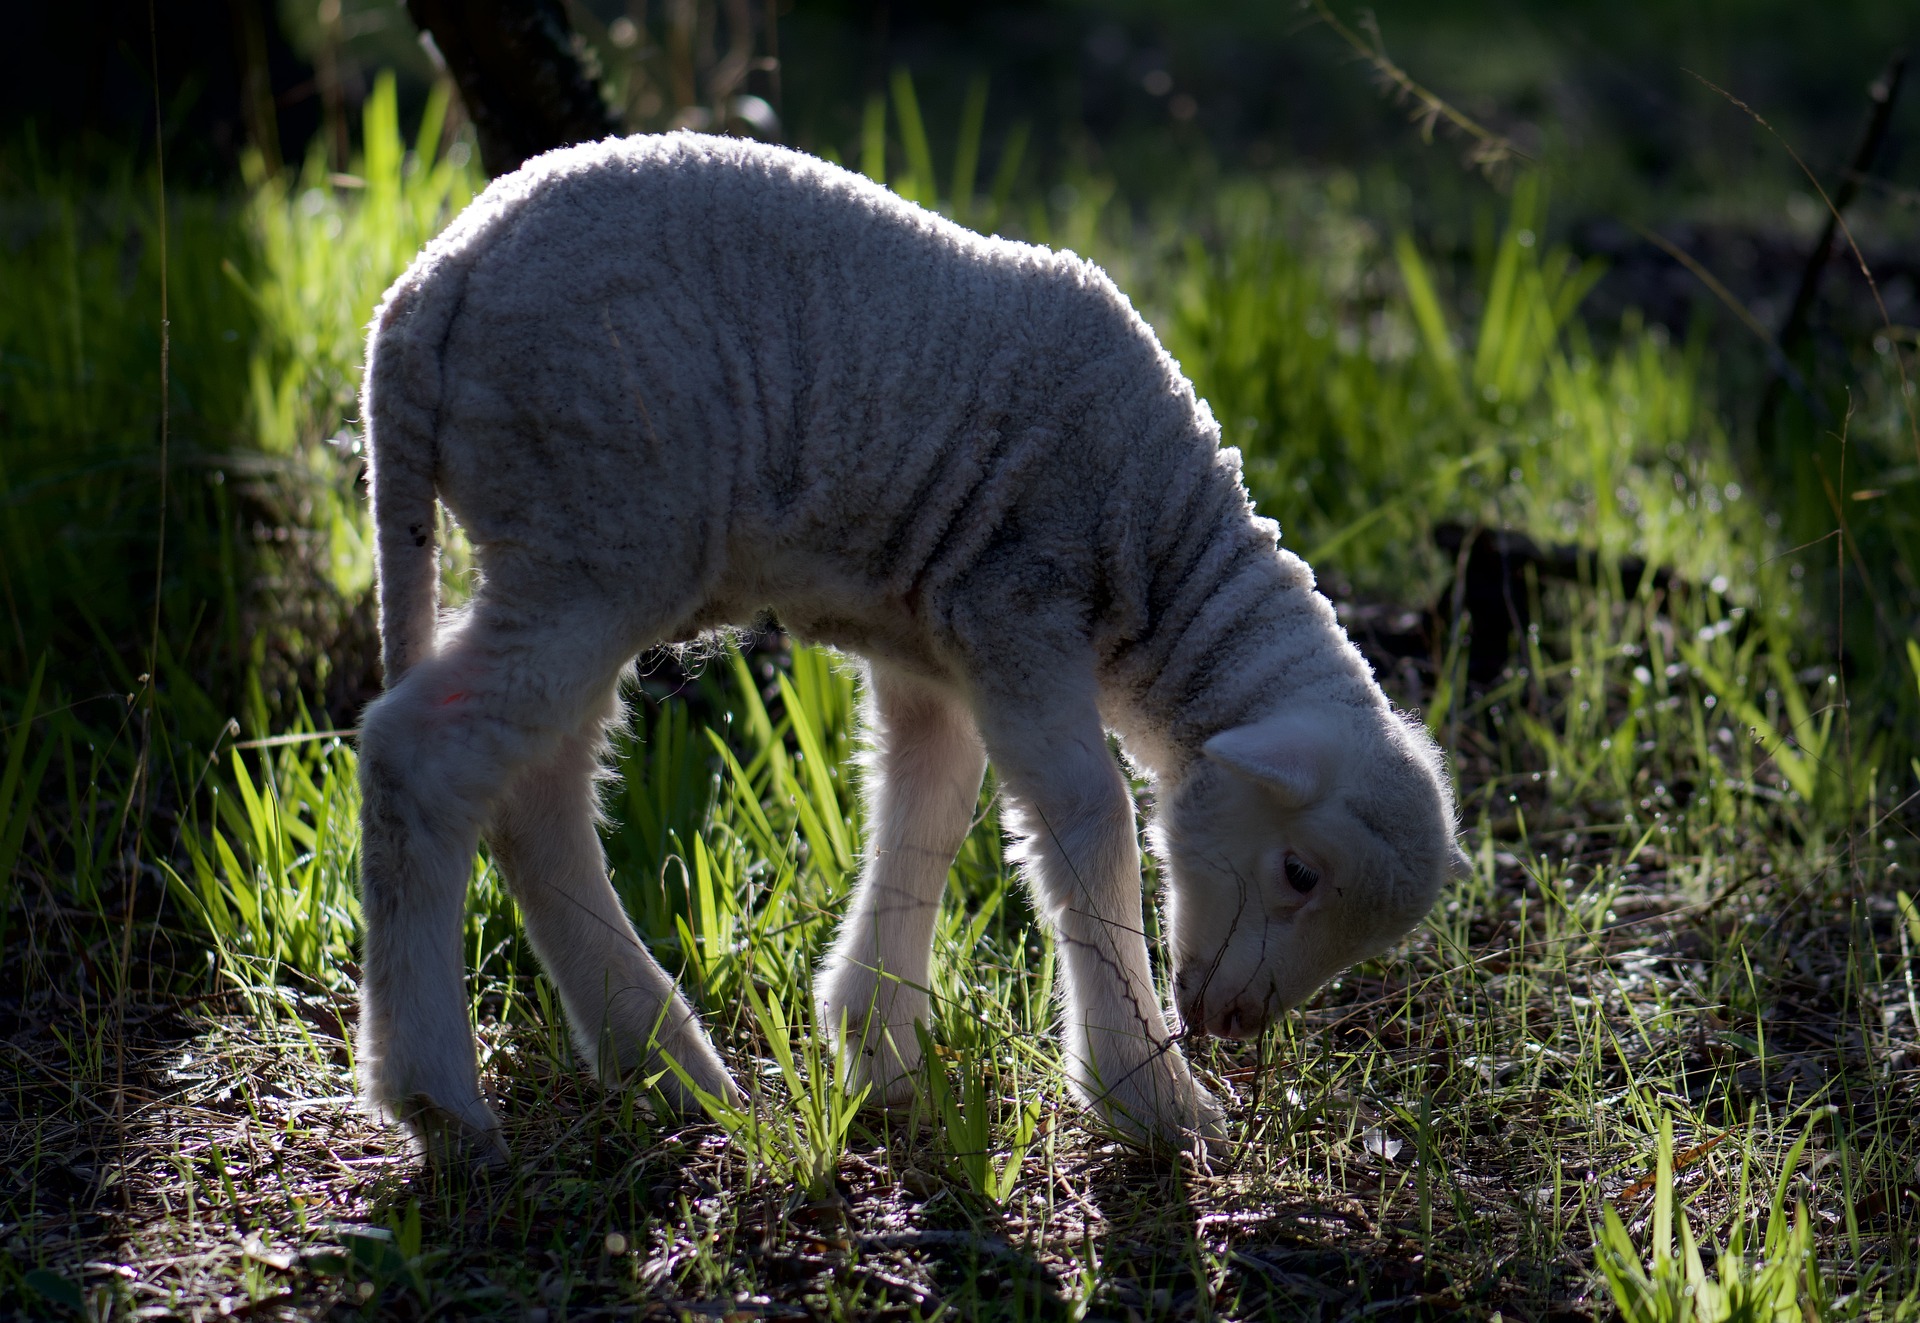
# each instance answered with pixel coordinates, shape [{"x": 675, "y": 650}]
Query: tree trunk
[{"x": 521, "y": 80}]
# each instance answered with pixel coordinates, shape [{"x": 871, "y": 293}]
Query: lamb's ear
[{"x": 1295, "y": 758}]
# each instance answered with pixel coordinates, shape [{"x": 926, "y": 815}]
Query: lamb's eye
[{"x": 1300, "y": 877}]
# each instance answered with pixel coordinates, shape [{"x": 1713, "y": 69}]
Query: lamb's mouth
[{"x": 1236, "y": 1018}]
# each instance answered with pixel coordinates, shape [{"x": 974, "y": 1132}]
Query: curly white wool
[{"x": 667, "y": 383}]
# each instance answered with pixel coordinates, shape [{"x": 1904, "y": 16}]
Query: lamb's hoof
[
  {"x": 1161, "y": 1110},
  {"x": 890, "y": 1082},
  {"x": 452, "y": 1142},
  {"x": 698, "y": 1085},
  {"x": 889, "y": 1075},
  {"x": 1207, "y": 1138},
  {"x": 884, "y": 1058},
  {"x": 1199, "y": 1132}
]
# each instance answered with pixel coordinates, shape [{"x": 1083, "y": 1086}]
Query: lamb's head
[{"x": 1297, "y": 846}]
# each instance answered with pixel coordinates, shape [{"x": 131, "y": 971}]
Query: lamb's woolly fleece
[
  {"x": 666, "y": 383},
  {"x": 768, "y": 381}
]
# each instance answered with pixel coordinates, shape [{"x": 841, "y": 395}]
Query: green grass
[
  {"x": 1674, "y": 1288},
  {"x": 1688, "y": 926},
  {"x": 80, "y": 398}
]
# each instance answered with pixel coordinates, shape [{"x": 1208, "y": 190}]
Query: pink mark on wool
[{"x": 456, "y": 696}]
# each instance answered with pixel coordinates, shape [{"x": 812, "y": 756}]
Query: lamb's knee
[
  {"x": 432, "y": 761},
  {"x": 395, "y": 749}
]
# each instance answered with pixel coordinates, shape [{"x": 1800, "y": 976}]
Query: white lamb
[{"x": 668, "y": 382}]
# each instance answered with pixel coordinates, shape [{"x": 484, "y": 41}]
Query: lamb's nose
[{"x": 1238, "y": 1021}]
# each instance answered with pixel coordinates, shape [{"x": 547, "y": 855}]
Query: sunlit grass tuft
[{"x": 1783, "y": 1282}]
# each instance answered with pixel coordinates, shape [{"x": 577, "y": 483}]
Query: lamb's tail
[{"x": 400, "y": 402}]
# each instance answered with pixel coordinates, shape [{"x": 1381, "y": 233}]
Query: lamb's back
[{"x": 736, "y": 359}]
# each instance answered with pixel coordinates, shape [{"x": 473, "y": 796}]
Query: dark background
[
  {"x": 1610, "y": 85},
  {"x": 1606, "y": 96}
]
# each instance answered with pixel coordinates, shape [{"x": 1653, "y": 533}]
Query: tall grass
[
  {"x": 266, "y": 560},
  {"x": 324, "y": 247},
  {"x": 266, "y": 573},
  {"x": 79, "y": 399},
  {"x": 1367, "y": 410}
]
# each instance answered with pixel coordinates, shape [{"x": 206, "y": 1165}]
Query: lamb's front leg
[
  {"x": 1073, "y": 817},
  {"x": 923, "y": 781}
]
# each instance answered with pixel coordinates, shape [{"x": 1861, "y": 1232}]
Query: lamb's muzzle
[{"x": 667, "y": 383}]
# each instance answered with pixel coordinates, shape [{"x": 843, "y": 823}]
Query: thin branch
[
  {"x": 1490, "y": 151},
  {"x": 1776, "y": 357},
  {"x": 1846, "y": 231}
]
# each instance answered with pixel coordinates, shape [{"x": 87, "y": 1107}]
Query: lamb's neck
[{"x": 1251, "y": 638}]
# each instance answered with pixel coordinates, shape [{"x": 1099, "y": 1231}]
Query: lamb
[{"x": 667, "y": 383}]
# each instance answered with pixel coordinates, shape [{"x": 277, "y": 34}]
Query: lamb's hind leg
[
  {"x": 923, "y": 782},
  {"x": 624, "y": 1009},
  {"x": 435, "y": 752}
]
